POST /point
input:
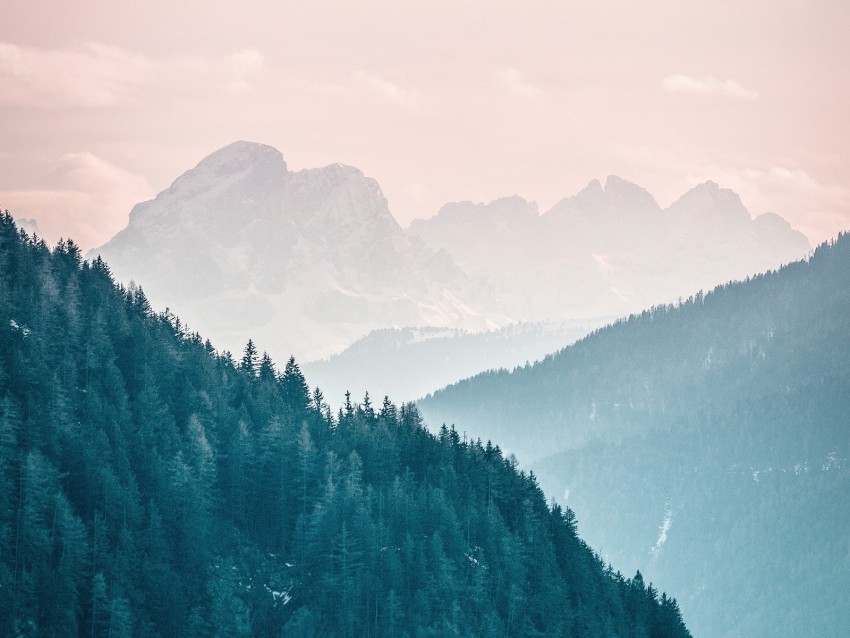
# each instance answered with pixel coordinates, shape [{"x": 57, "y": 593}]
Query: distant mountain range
[
  {"x": 408, "y": 363},
  {"x": 608, "y": 251},
  {"x": 308, "y": 262},
  {"x": 151, "y": 488},
  {"x": 707, "y": 442}
]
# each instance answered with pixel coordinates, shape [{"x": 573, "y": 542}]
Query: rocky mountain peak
[
  {"x": 303, "y": 262},
  {"x": 467, "y": 211},
  {"x": 513, "y": 205},
  {"x": 707, "y": 203},
  {"x": 591, "y": 193},
  {"x": 339, "y": 198},
  {"x": 618, "y": 199},
  {"x": 241, "y": 154},
  {"x": 227, "y": 183},
  {"x": 256, "y": 163},
  {"x": 623, "y": 194}
]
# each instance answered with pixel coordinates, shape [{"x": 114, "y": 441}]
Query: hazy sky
[{"x": 104, "y": 103}]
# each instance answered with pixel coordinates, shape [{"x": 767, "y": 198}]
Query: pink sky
[{"x": 103, "y": 104}]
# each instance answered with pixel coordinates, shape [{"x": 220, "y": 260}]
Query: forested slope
[
  {"x": 706, "y": 442},
  {"x": 150, "y": 486},
  {"x": 783, "y": 329}
]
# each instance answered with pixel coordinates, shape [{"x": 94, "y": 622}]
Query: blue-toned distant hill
[
  {"x": 706, "y": 441},
  {"x": 153, "y": 488},
  {"x": 408, "y": 363}
]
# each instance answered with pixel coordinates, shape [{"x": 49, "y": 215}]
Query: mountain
[
  {"x": 608, "y": 250},
  {"x": 151, "y": 487},
  {"x": 310, "y": 261},
  {"x": 302, "y": 262},
  {"x": 411, "y": 362},
  {"x": 707, "y": 442},
  {"x": 605, "y": 250}
]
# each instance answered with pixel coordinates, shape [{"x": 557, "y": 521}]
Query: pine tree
[
  {"x": 250, "y": 360},
  {"x": 295, "y": 390},
  {"x": 151, "y": 487},
  {"x": 267, "y": 372}
]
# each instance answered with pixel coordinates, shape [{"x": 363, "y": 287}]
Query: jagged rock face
[
  {"x": 619, "y": 202},
  {"x": 724, "y": 417},
  {"x": 197, "y": 237},
  {"x": 609, "y": 249},
  {"x": 307, "y": 262},
  {"x": 713, "y": 238},
  {"x": 489, "y": 242},
  {"x": 302, "y": 262}
]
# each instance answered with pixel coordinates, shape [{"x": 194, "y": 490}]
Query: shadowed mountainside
[
  {"x": 707, "y": 441},
  {"x": 151, "y": 487}
]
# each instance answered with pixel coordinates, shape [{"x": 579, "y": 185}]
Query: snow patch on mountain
[{"x": 664, "y": 528}]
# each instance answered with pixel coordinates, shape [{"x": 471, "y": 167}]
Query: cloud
[
  {"x": 244, "y": 65},
  {"x": 247, "y": 61},
  {"x": 513, "y": 81},
  {"x": 387, "y": 90},
  {"x": 707, "y": 86},
  {"x": 93, "y": 75},
  {"x": 88, "y": 75},
  {"x": 84, "y": 197},
  {"x": 797, "y": 178}
]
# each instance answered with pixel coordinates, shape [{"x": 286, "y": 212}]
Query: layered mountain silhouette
[
  {"x": 703, "y": 442},
  {"x": 151, "y": 487},
  {"x": 608, "y": 251},
  {"x": 411, "y": 362},
  {"x": 707, "y": 441},
  {"x": 303, "y": 262},
  {"x": 308, "y": 262},
  {"x": 604, "y": 252}
]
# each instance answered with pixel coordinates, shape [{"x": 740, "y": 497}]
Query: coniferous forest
[
  {"x": 151, "y": 486},
  {"x": 722, "y": 420}
]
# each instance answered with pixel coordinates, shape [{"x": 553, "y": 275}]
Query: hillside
[
  {"x": 310, "y": 261},
  {"x": 708, "y": 438},
  {"x": 411, "y": 362},
  {"x": 152, "y": 487}
]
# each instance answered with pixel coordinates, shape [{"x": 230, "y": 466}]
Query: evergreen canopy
[{"x": 150, "y": 486}]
